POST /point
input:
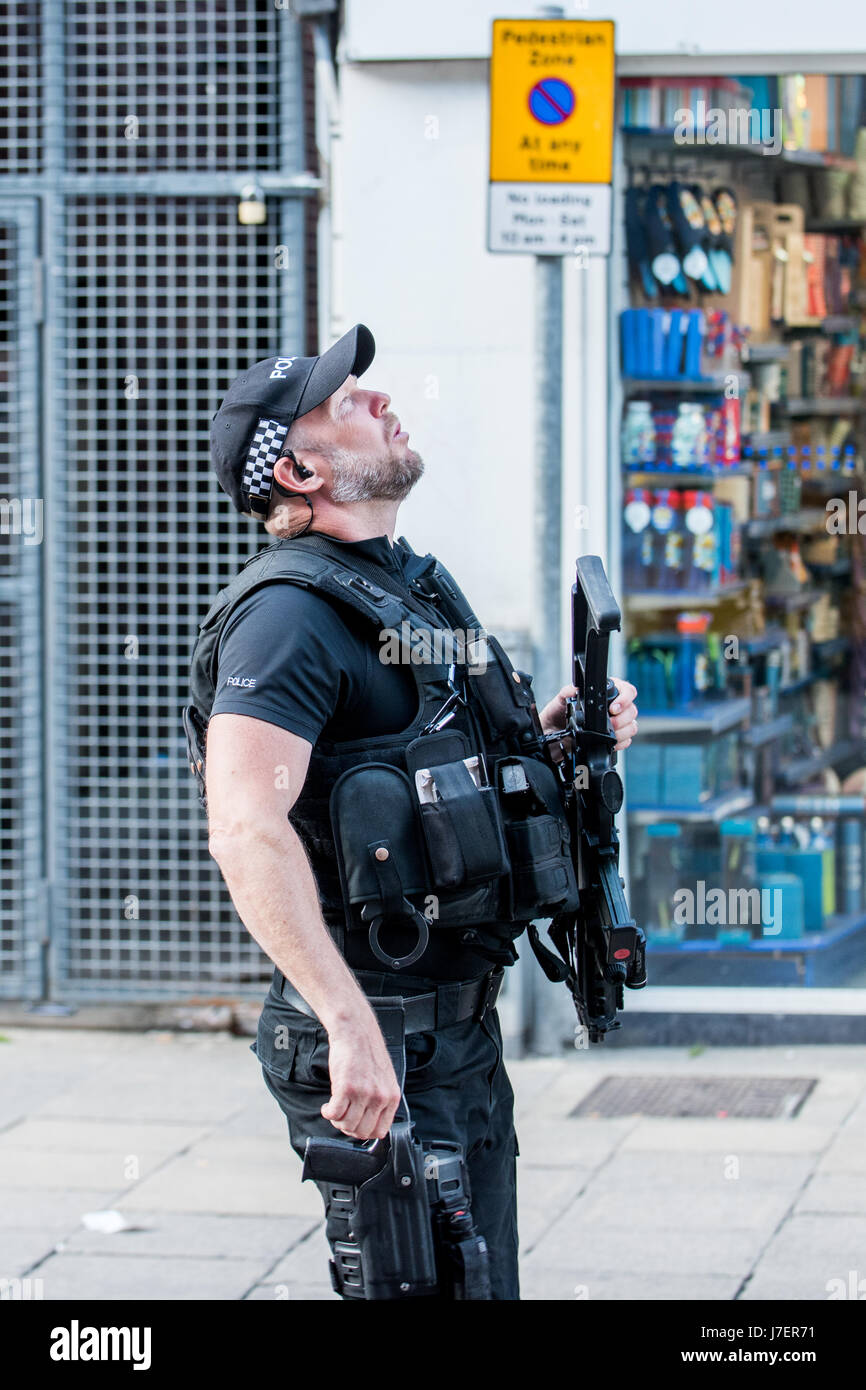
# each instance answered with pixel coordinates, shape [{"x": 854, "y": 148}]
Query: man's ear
[{"x": 295, "y": 475}]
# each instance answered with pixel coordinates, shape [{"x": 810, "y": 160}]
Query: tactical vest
[{"x": 455, "y": 822}]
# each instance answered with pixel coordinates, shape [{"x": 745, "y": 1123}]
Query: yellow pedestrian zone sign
[{"x": 551, "y": 135}]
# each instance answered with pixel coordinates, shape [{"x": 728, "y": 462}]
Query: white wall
[
  {"x": 397, "y": 29},
  {"x": 453, "y": 324}
]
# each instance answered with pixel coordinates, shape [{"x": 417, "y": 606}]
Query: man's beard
[{"x": 367, "y": 479}]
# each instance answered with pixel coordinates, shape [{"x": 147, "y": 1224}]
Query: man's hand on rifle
[{"x": 623, "y": 712}]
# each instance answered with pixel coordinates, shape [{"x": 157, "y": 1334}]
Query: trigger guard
[{"x": 399, "y": 962}]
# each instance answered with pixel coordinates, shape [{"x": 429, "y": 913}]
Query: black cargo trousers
[{"x": 456, "y": 1087}]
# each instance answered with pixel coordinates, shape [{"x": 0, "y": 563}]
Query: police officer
[{"x": 300, "y": 445}]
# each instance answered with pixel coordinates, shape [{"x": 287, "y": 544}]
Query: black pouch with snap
[
  {"x": 380, "y": 853},
  {"x": 538, "y": 838}
]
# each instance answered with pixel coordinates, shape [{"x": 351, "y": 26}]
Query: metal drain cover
[{"x": 750, "y": 1097}]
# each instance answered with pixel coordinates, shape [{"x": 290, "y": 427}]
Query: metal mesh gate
[
  {"x": 151, "y": 118},
  {"x": 22, "y": 897}
]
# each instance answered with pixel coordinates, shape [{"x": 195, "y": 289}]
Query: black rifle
[{"x": 601, "y": 949}]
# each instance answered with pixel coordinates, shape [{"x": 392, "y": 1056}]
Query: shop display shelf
[
  {"x": 806, "y": 519},
  {"x": 829, "y": 481},
  {"x": 833, "y": 323},
  {"x": 801, "y": 769},
  {"x": 768, "y": 641},
  {"x": 821, "y": 405},
  {"x": 789, "y": 603},
  {"x": 653, "y": 599},
  {"x": 765, "y": 352},
  {"x": 834, "y": 226},
  {"x": 761, "y": 734},
  {"x": 834, "y": 646},
  {"x": 769, "y": 439},
  {"x": 710, "y": 812},
  {"x": 839, "y": 569},
  {"x": 664, "y": 138},
  {"x": 699, "y": 716},
  {"x": 802, "y": 683},
  {"x": 647, "y": 475},
  {"x": 822, "y": 957},
  {"x": 633, "y": 385}
]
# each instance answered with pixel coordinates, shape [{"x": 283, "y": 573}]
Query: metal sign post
[{"x": 551, "y": 161}]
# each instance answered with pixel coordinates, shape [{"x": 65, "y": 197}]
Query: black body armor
[{"x": 454, "y": 823}]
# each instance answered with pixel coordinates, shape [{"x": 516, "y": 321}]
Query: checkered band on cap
[{"x": 258, "y": 478}]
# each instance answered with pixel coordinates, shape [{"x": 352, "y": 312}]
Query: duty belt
[{"x": 450, "y": 1003}]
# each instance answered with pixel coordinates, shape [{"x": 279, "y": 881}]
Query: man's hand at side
[{"x": 255, "y": 772}]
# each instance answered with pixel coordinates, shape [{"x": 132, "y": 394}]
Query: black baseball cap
[{"x": 249, "y": 429}]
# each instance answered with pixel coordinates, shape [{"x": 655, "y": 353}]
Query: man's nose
[{"x": 380, "y": 402}]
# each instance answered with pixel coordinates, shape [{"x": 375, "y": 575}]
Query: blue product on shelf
[
  {"x": 692, "y": 675},
  {"x": 673, "y": 351},
  {"x": 782, "y": 906},
  {"x": 657, "y": 342},
  {"x": 629, "y": 340},
  {"x": 669, "y": 546},
  {"x": 694, "y": 343},
  {"x": 822, "y": 841},
  {"x": 638, "y": 435},
  {"x": 811, "y": 867},
  {"x": 687, "y": 774},
  {"x": 701, "y": 540},
  {"x": 638, "y": 537},
  {"x": 643, "y": 774},
  {"x": 664, "y": 876},
  {"x": 851, "y": 858}
]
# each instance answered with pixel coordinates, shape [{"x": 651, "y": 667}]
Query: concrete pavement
[{"x": 177, "y": 1132}]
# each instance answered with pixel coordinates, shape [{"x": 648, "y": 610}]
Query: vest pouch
[
  {"x": 380, "y": 853},
  {"x": 460, "y": 817},
  {"x": 463, "y": 829},
  {"x": 505, "y": 696},
  {"x": 538, "y": 839}
]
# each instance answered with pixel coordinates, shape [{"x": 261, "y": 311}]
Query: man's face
[{"x": 364, "y": 444}]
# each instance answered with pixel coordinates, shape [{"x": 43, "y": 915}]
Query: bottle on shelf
[
  {"x": 667, "y": 522},
  {"x": 806, "y": 461},
  {"x": 692, "y": 673},
  {"x": 638, "y": 550},
  {"x": 638, "y": 435},
  {"x": 766, "y": 833},
  {"x": 849, "y": 461},
  {"x": 820, "y": 460},
  {"x": 835, "y": 459},
  {"x": 701, "y": 541}
]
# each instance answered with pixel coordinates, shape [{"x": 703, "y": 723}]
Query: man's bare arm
[{"x": 255, "y": 772}]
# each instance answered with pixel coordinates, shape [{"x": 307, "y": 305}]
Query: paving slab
[
  {"x": 728, "y": 1136},
  {"x": 99, "y": 1136},
  {"x": 550, "y": 1285},
  {"x": 306, "y": 1264},
  {"x": 53, "y": 1168},
  {"x": 843, "y": 1193},
  {"x": 825, "y": 1244},
  {"x": 56, "y": 1210},
  {"x": 262, "y": 1189},
  {"x": 577, "y": 1247},
  {"x": 146, "y": 1277},
  {"x": 846, "y": 1154},
  {"x": 293, "y": 1293},
  {"x": 202, "y": 1235}
]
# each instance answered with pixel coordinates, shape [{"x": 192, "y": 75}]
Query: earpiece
[{"x": 302, "y": 471}]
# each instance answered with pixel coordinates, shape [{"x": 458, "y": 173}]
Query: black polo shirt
[{"x": 295, "y": 659}]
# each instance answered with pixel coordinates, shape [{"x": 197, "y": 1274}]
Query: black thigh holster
[{"x": 399, "y": 1221}]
